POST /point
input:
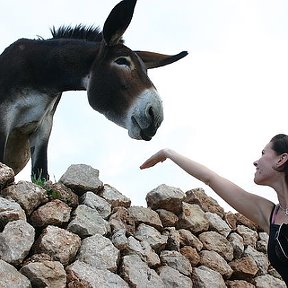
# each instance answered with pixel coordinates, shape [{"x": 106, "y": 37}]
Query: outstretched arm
[{"x": 253, "y": 207}]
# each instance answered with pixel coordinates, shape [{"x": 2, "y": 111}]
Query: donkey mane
[{"x": 81, "y": 32}]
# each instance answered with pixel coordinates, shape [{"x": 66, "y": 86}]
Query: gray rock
[
  {"x": 27, "y": 194},
  {"x": 205, "y": 277},
  {"x": 237, "y": 243},
  {"x": 10, "y": 277},
  {"x": 6, "y": 175},
  {"x": 99, "y": 252},
  {"x": 144, "y": 251},
  {"x": 81, "y": 178},
  {"x": 217, "y": 224},
  {"x": 137, "y": 273},
  {"x": 145, "y": 215},
  {"x": 167, "y": 218},
  {"x": 16, "y": 241},
  {"x": 192, "y": 218},
  {"x": 216, "y": 242},
  {"x": 262, "y": 242},
  {"x": 96, "y": 202},
  {"x": 80, "y": 274},
  {"x": 249, "y": 236},
  {"x": 259, "y": 257},
  {"x": 165, "y": 197},
  {"x": 189, "y": 239},
  {"x": 177, "y": 261},
  {"x": 207, "y": 203},
  {"x": 121, "y": 219},
  {"x": 173, "y": 278},
  {"x": 114, "y": 197},
  {"x": 152, "y": 236},
  {"x": 45, "y": 274},
  {"x": 87, "y": 222},
  {"x": 268, "y": 281},
  {"x": 119, "y": 239},
  {"x": 174, "y": 238},
  {"x": 10, "y": 211},
  {"x": 60, "y": 244}
]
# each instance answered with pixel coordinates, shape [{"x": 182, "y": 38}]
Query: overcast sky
[{"x": 222, "y": 103}]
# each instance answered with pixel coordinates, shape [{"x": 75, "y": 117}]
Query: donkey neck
[{"x": 56, "y": 64}]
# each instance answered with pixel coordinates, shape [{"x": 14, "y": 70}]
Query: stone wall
[{"x": 79, "y": 232}]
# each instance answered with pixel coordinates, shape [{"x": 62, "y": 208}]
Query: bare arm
[{"x": 253, "y": 207}]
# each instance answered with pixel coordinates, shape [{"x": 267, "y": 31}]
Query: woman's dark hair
[{"x": 280, "y": 146}]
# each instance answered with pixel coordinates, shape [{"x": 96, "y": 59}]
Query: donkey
[{"x": 34, "y": 73}]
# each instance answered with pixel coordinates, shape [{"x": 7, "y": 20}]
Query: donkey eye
[{"x": 122, "y": 61}]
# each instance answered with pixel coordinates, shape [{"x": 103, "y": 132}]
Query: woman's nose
[{"x": 255, "y": 163}]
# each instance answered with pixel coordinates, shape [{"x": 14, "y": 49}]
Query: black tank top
[{"x": 281, "y": 268}]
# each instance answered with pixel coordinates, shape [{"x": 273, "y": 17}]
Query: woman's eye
[{"x": 122, "y": 61}]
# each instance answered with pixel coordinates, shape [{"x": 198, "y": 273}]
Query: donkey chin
[
  {"x": 139, "y": 126},
  {"x": 137, "y": 132}
]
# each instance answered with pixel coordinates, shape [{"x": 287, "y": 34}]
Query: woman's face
[{"x": 265, "y": 166}]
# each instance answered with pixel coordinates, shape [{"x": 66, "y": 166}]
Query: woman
[{"x": 271, "y": 170}]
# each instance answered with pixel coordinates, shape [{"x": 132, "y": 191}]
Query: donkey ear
[
  {"x": 154, "y": 60},
  {"x": 118, "y": 21}
]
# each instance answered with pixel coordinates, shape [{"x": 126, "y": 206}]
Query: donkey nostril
[{"x": 151, "y": 112}]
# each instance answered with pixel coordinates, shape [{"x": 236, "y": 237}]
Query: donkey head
[{"x": 118, "y": 84}]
